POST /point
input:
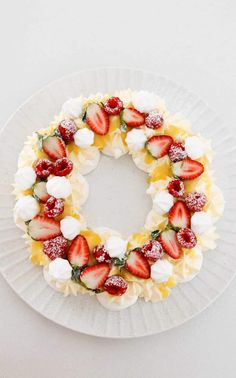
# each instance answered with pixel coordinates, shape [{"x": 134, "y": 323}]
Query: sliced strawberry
[
  {"x": 40, "y": 191},
  {"x": 95, "y": 276},
  {"x": 169, "y": 241},
  {"x": 43, "y": 228},
  {"x": 54, "y": 147},
  {"x": 133, "y": 118},
  {"x": 78, "y": 253},
  {"x": 188, "y": 169},
  {"x": 159, "y": 145},
  {"x": 179, "y": 215},
  {"x": 97, "y": 119},
  {"x": 138, "y": 265}
]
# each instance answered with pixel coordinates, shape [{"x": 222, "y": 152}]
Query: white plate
[{"x": 83, "y": 313}]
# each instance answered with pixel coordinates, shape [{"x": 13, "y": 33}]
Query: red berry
[
  {"x": 186, "y": 238},
  {"x": 154, "y": 120},
  {"x": 43, "y": 168},
  {"x": 67, "y": 129},
  {"x": 56, "y": 247},
  {"x": 62, "y": 167},
  {"x": 152, "y": 250},
  {"x": 53, "y": 207},
  {"x": 176, "y": 188},
  {"x": 177, "y": 152},
  {"x": 195, "y": 201},
  {"x": 113, "y": 106},
  {"x": 101, "y": 255},
  {"x": 115, "y": 285}
]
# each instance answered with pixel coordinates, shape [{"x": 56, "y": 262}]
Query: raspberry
[
  {"x": 115, "y": 285},
  {"x": 53, "y": 207},
  {"x": 152, "y": 250},
  {"x": 101, "y": 254},
  {"x": 67, "y": 129},
  {"x": 62, "y": 167},
  {"x": 177, "y": 152},
  {"x": 176, "y": 188},
  {"x": 43, "y": 168},
  {"x": 186, "y": 238},
  {"x": 56, "y": 247},
  {"x": 195, "y": 201},
  {"x": 113, "y": 106},
  {"x": 154, "y": 120}
]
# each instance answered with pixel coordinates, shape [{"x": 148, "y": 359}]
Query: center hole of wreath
[{"x": 117, "y": 197}]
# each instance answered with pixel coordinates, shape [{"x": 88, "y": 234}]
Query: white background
[{"x": 190, "y": 41}]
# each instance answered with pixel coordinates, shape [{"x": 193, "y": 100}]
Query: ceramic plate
[{"x": 83, "y": 313}]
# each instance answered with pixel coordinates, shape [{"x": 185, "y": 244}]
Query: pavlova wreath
[{"x": 50, "y": 189}]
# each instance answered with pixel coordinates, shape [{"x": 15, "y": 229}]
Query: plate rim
[{"x": 142, "y": 71}]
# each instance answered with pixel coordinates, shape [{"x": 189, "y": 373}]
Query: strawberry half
[
  {"x": 43, "y": 228},
  {"x": 133, "y": 118},
  {"x": 138, "y": 265},
  {"x": 40, "y": 191},
  {"x": 95, "y": 276},
  {"x": 169, "y": 241},
  {"x": 179, "y": 215},
  {"x": 54, "y": 147},
  {"x": 78, "y": 253},
  {"x": 188, "y": 169},
  {"x": 97, "y": 119},
  {"x": 159, "y": 145}
]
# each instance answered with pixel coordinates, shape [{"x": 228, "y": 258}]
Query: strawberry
[
  {"x": 179, "y": 215},
  {"x": 133, "y": 118},
  {"x": 95, "y": 276},
  {"x": 43, "y": 228},
  {"x": 188, "y": 169},
  {"x": 137, "y": 264},
  {"x": 55, "y": 247},
  {"x": 40, "y": 191},
  {"x": 97, "y": 119},
  {"x": 159, "y": 145},
  {"x": 54, "y": 147},
  {"x": 115, "y": 285},
  {"x": 78, "y": 253},
  {"x": 170, "y": 243}
]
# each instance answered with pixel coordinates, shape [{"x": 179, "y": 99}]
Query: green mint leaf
[{"x": 155, "y": 234}]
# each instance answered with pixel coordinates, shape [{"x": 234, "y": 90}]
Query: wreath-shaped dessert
[{"x": 50, "y": 189}]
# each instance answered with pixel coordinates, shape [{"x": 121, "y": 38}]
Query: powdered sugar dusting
[
  {"x": 152, "y": 250},
  {"x": 186, "y": 238},
  {"x": 154, "y": 120},
  {"x": 56, "y": 247},
  {"x": 54, "y": 207},
  {"x": 196, "y": 201},
  {"x": 177, "y": 152}
]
